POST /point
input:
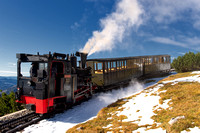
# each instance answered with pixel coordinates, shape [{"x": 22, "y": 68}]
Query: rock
[
  {"x": 174, "y": 120},
  {"x": 79, "y": 128}
]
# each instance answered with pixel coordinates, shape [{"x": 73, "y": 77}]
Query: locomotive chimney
[
  {"x": 67, "y": 57},
  {"x": 83, "y": 57},
  {"x": 73, "y": 60}
]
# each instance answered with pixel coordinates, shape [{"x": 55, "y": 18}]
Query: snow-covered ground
[{"x": 86, "y": 110}]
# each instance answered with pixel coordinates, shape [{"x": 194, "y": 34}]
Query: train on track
[{"x": 58, "y": 81}]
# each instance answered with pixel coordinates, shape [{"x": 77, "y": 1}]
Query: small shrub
[{"x": 8, "y": 104}]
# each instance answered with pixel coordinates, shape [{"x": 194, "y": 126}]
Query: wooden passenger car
[{"x": 110, "y": 71}]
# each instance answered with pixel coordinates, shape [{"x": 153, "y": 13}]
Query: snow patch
[
  {"x": 195, "y": 72},
  {"x": 174, "y": 83},
  {"x": 184, "y": 79},
  {"x": 143, "y": 130},
  {"x": 142, "y": 107},
  {"x": 192, "y": 130}
]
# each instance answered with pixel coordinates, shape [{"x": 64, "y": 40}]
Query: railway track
[{"x": 17, "y": 124}]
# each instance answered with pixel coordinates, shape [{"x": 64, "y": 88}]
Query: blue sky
[{"x": 31, "y": 26}]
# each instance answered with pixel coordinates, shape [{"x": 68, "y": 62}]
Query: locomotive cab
[{"x": 52, "y": 82}]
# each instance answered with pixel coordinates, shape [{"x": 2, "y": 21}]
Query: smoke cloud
[{"x": 126, "y": 16}]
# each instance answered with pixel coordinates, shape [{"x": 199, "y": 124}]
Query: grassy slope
[{"x": 185, "y": 101}]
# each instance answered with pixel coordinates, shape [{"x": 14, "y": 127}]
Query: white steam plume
[
  {"x": 134, "y": 87},
  {"x": 126, "y": 16}
]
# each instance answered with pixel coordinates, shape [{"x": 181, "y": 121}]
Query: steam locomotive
[{"x": 56, "y": 81}]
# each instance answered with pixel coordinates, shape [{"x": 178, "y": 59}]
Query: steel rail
[{"x": 19, "y": 123}]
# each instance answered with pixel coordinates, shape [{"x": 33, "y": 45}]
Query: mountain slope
[
  {"x": 171, "y": 105},
  {"x": 8, "y": 84}
]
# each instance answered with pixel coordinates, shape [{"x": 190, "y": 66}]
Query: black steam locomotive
[{"x": 56, "y": 81}]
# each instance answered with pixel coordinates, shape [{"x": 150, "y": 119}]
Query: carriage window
[
  {"x": 106, "y": 67},
  {"x": 95, "y": 66},
  {"x": 150, "y": 60},
  {"x": 167, "y": 59},
  {"x": 164, "y": 60},
  {"x": 146, "y": 61},
  {"x": 98, "y": 68},
  {"x": 161, "y": 60},
  {"x": 113, "y": 66},
  {"x": 155, "y": 60},
  {"x": 117, "y": 65}
]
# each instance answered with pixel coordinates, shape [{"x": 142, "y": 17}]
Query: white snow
[
  {"x": 140, "y": 108},
  {"x": 195, "y": 72},
  {"x": 192, "y": 130},
  {"x": 143, "y": 129},
  {"x": 195, "y": 78}
]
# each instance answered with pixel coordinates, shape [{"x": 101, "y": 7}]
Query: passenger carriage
[{"x": 110, "y": 71}]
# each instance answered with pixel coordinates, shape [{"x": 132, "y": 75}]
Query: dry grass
[{"x": 185, "y": 99}]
